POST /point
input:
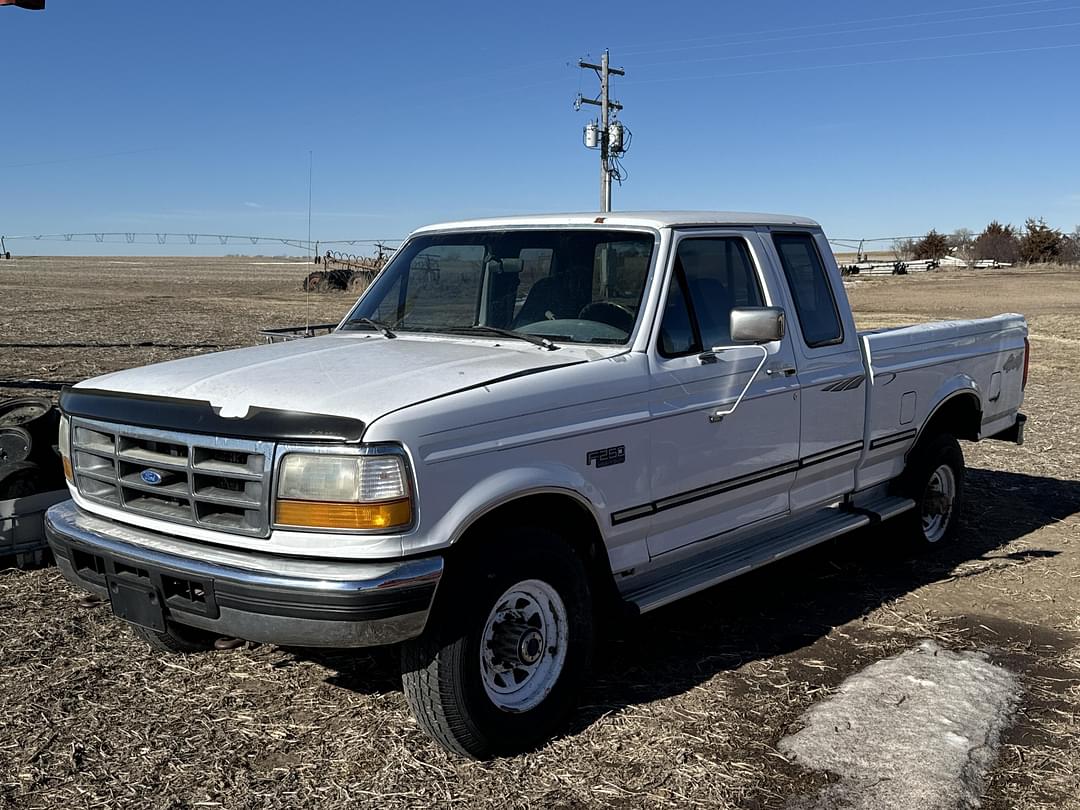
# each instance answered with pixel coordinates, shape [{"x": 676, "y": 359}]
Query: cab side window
[
  {"x": 810, "y": 289},
  {"x": 677, "y": 333},
  {"x": 712, "y": 275}
]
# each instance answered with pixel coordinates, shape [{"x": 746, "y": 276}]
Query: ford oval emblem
[{"x": 152, "y": 477}]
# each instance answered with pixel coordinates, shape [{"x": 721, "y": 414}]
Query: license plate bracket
[{"x": 136, "y": 603}]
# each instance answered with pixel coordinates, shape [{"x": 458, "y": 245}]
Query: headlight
[
  {"x": 64, "y": 443},
  {"x": 343, "y": 492}
]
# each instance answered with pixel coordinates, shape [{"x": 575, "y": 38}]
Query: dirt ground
[{"x": 687, "y": 705}]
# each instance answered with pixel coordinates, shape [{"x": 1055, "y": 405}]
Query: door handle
[{"x": 777, "y": 370}]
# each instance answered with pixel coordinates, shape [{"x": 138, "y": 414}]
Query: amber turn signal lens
[
  {"x": 324, "y": 515},
  {"x": 68, "y": 474}
]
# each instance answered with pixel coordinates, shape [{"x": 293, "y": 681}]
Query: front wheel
[
  {"x": 506, "y": 648},
  {"x": 934, "y": 479}
]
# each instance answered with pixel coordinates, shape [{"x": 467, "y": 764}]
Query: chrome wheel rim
[
  {"x": 523, "y": 648},
  {"x": 937, "y": 503}
]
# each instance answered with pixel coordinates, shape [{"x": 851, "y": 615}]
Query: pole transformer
[{"x": 605, "y": 135}]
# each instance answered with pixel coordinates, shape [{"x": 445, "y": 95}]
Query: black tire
[
  {"x": 442, "y": 670},
  {"x": 933, "y": 453},
  {"x": 315, "y": 282},
  {"x": 26, "y": 411},
  {"x": 40, "y": 420},
  {"x": 177, "y": 639},
  {"x": 20, "y": 479}
]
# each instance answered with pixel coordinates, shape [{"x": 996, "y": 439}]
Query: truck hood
[{"x": 358, "y": 375}]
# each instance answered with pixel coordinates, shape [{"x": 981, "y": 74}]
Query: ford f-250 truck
[{"x": 521, "y": 423}]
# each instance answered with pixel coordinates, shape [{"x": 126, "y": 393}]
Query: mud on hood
[{"x": 347, "y": 375}]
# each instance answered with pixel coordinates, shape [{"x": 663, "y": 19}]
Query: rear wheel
[
  {"x": 177, "y": 638},
  {"x": 934, "y": 479},
  {"x": 506, "y": 648}
]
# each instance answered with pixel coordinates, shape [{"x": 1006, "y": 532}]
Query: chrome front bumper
[{"x": 243, "y": 594}]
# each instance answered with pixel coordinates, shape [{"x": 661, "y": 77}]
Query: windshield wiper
[
  {"x": 381, "y": 327},
  {"x": 536, "y": 340}
]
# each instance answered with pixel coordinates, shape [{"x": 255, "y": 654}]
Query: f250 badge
[{"x": 607, "y": 456}]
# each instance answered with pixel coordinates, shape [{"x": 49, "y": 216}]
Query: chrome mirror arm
[{"x": 711, "y": 356}]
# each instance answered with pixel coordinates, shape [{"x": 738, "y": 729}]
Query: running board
[
  {"x": 690, "y": 575},
  {"x": 886, "y": 507}
]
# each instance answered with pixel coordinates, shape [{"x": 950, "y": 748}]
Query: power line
[
  {"x": 849, "y": 22},
  {"x": 759, "y": 40},
  {"x": 80, "y": 158},
  {"x": 846, "y": 46},
  {"x": 929, "y": 58},
  {"x": 648, "y": 47}
]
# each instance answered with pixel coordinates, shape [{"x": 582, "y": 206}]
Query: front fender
[{"x": 505, "y": 486}]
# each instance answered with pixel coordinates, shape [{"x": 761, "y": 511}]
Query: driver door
[{"x": 710, "y": 477}]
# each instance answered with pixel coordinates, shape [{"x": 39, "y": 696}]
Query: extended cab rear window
[{"x": 810, "y": 289}]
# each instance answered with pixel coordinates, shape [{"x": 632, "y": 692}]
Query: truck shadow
[
  {"x": 791, "y": 604},
  {"x": 778, "y": 609}
]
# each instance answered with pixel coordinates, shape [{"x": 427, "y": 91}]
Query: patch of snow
[{"x": 917, "y": 731}]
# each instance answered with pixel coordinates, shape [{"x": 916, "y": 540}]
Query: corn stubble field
[{"x": 687, "y": 705}]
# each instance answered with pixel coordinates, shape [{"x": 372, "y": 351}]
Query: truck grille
[{"x": 213, "y": 482}]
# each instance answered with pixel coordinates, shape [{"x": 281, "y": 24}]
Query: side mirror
[{"x": 757, "y": 324}]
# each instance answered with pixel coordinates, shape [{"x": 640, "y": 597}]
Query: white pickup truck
[{"x": 521, "y": 424}]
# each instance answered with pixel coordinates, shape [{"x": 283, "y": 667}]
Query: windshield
[{"x": 579, "y": 286}]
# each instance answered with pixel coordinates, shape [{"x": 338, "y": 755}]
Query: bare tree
[
  {"x": 904, "y": 249},
  {"x": 962, "y": 244},
  {"x": 1070, "y": 247}
]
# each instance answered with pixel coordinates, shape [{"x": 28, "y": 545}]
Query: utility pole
[{"x": 608, "y": 134}]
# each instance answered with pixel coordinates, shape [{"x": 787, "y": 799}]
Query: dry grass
[{"x": 687, "y": 704}]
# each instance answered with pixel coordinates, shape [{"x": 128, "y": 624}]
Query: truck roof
[{"x": 652, "y": 219}]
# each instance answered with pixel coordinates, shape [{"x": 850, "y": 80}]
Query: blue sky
[{"x": 876, "y": 119}]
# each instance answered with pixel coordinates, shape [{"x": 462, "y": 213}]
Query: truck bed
[{"x": 913, "y": 369}]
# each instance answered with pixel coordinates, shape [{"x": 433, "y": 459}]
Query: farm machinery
[
  {"x": 28, "y": 462},
  {"x": 31, "y": 476},
  {"x": 346, "y": 271}
]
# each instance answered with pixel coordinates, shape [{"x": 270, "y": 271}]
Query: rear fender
[{"x": 959, "y": 385}]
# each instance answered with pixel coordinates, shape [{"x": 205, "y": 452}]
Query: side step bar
[
  {"x": 886, "y": 507},
  {"x": 690, "y": 575}
]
